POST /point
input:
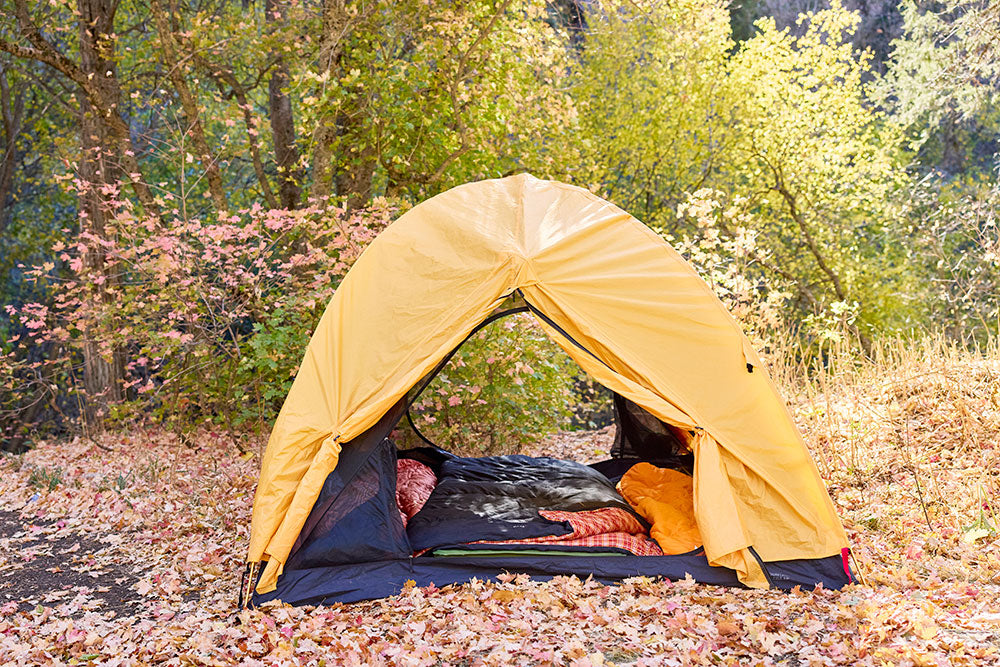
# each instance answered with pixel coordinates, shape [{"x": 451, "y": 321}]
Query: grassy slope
[{"x": 906, "y": 444}]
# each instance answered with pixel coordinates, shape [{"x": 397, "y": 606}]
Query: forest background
[{"x": 183, "y": 184}]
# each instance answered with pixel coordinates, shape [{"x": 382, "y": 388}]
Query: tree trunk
[
  {"x": 327, "y": 178},
  {"x": 103, "y": 363},
  {"x": 325, "y": 134},
  {"x": 324, "y": 137},
  {"x": 286, "y": 154},
  {"x": 12, "y": 110},
  {"x": 355, "y": 168}
]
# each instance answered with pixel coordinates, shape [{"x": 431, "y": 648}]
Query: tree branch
[
  {"x": 793, "y": 210},
  {"x": 461, "y": 73},
  {"x": 190, "y": 106},
  {"x": 796, "y": 215},
  {"x": 222, "y": 75},
  {"x": 45, "y": 52}
]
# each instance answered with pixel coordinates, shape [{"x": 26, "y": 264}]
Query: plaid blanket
[{"x": 608, "y": 527}]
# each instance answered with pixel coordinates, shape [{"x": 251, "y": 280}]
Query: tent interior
[{"x": 388, "y": 515}]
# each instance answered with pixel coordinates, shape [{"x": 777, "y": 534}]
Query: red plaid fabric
[
  {"x": 637, "y": 545},
  {"x": 608, "y": 527}
]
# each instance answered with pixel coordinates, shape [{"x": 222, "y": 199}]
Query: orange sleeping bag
[{"x": 665, "y": 498}]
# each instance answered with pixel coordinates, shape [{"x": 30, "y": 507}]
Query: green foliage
[
  {"x": 956, "y": 240},
  {"x": 424, "y": 96},
  {"x": 820, "y": 167},
  {"x": 265, "y": 372},
  {"x": 231, "y": 49},
  {"x": 34, "y": 208},
  {"x": 943, "y": 83},
  {"x": 48, "y": 479},
  {"x": 653, "y": 101},
  {"x": 948, "y": 61},
  {"x": 508, "y": 386},
  {"x": 775, "y": 158},
  {"x": 784, "y": 129}
]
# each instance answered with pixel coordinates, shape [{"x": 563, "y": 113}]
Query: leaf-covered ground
[{"x": 129, "y": 551}]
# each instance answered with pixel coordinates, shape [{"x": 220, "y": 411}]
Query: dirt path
[{"x": 53, "y": 564}]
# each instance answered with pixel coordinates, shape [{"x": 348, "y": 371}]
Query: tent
[{"x": 624, "y": 305}]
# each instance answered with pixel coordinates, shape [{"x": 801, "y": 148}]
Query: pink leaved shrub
[{"x": 206, "y": 317}]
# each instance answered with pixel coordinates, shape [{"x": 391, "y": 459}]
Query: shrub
[
  {"x": 209, "y": 317},
  {"x": 506, "y": 387},
  {"x": 725, "y": 252},
  {"x": 957, "y": 239}
]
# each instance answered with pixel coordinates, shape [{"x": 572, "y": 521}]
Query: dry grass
[{"x": 907, "y": 443}]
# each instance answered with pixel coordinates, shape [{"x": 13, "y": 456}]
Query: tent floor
[{"x": 367, "y": 581}]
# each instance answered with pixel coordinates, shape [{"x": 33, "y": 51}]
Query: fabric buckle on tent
[
  {"x": 749, "y": 367},
  {"x": 247, "y": 583}
]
